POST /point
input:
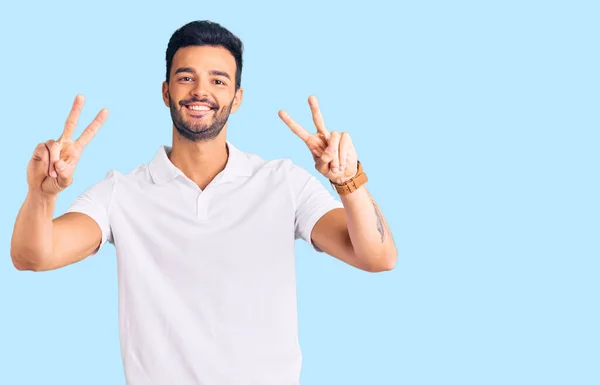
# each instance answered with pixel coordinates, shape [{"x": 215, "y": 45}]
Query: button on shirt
[{"x": 207, "y": 289}]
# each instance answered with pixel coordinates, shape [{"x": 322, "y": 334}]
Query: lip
[
  {"x": 198, "y": 104},
  {"x": 211, "y": 106}
]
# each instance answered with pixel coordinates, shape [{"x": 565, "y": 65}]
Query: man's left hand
[{"x": 333, "y": 152}]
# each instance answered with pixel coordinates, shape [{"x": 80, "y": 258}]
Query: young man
[{"x": 204, "y": 233}]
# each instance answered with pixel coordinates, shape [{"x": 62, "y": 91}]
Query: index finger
[
  {"x": 73, "y": 118},
  {"x": 317, "y": 116},
  {"x": 93, "y": 128},
  {"x": 294, "y": 126}
]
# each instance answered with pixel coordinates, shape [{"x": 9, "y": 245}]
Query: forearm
[
  {"x": 370, "y": 235},
  {"x": 32, "y": 240}
]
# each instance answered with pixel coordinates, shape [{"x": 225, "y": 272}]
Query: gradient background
[{"x": 477, "y": 123}]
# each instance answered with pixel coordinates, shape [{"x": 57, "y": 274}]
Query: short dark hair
[{"x": 206, "y": 33}]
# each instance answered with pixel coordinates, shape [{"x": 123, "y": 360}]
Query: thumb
[{"x": 65, "y": 173}]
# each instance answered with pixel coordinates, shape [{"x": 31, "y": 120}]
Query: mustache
[{"x": 196, "y": 100}]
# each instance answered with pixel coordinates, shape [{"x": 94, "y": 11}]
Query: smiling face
[{"x": 201, "y": 91}]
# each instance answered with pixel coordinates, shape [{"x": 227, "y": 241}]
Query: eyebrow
[
  {"x": 219, "y": 73},
  {"x": 211, "y": 72},
  {"x": 185, "y": 69}
]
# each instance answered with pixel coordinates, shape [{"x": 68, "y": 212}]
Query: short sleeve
[
  {"x": 95, "y": 203},
  {"x": 313, "y": 201}
]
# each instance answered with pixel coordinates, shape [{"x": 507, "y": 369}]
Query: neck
[{"x": 199, "y": 161}]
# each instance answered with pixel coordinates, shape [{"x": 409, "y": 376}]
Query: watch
[{"x": 351, "y": 184}]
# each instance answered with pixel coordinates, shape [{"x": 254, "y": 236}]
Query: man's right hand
[{"x": 51, "y": 167}]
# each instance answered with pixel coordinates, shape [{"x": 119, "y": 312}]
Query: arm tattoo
[{"x": 380, "y": 226}]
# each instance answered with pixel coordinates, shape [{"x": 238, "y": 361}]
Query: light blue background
[{"x": 477, "y": 123}]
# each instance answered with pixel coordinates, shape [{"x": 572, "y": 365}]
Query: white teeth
[{"x": 199, "y": 108}]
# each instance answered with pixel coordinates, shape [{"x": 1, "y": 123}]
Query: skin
[
  {"x": 204, "y": 74},
  {"x": 39, "y": 242},
  {"x": 357, "y": 234}
]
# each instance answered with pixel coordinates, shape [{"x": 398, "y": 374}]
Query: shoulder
[
  {"x": 284, "y": 168},
  {"x": 114, "y": 177}
]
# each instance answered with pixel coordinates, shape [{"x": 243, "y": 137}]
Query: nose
[{"x": 200, "y": 89}]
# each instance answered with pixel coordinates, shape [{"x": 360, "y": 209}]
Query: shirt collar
[{"x": 163, "y": 171}]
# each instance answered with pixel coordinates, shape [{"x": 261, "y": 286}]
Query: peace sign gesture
[
  {"x": 333, "y": 152},
  {"x": 51, "y": 167}
]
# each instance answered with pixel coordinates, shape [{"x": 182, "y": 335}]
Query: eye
[
  {"x": 219, "y": 82},
  {"x": 185, "y": 79}
]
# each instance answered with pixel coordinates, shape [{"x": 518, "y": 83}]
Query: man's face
[{"x": 201, "y": 92}]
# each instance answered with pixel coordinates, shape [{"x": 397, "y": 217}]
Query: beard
[{"x": 197, "y": 130}]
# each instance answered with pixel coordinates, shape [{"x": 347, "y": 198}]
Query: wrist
[
  {"x": 352, "y": 184},
  {"x": 38, "y": 194},
  {"x": 340, "y": 182}
]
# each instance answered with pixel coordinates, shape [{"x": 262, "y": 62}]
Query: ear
[
  {"x": 165, "y": 94},
  {"x": 237, "y": 100}
]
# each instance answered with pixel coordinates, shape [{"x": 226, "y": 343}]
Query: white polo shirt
[{"x": 207, "y": 290}]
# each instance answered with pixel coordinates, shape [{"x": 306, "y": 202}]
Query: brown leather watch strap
[{"x": 353, "y": 184}]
